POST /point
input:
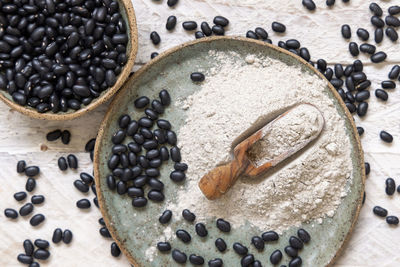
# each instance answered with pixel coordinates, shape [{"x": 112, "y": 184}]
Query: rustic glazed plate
[
  {"x": 128, "y": 14},
  {"x": 136, "y": 230}
]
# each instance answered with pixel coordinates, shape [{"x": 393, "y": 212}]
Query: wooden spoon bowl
[{"x": 128, "y": 14}]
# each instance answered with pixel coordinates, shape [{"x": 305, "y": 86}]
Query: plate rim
[{"x": 133, "y": 78}]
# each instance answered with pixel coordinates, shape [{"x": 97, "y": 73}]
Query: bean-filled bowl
[
  {"x": 61, "y": 59},
  {"x": 183, "y": 116}
]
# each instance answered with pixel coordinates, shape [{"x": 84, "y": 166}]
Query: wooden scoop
[{"x": 215, "y": 183}]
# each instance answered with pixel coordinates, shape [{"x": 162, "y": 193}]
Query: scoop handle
[{"x": 215, "y": 183}]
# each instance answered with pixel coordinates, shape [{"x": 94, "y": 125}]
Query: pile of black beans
[
  {"x": 40, "y": 253},
  {"x": 58, "y": 55},
  {"x": 31, "y": 172},
  {"x": 140, "y": 149},
  {"x": 296, "y": 243}
]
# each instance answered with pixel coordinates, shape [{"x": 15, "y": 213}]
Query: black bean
[
  {"x": 175, "y": 154},
  {"x": 32, "y": 171},
  {"x": 37, "y": 219},
  {"x": 11, "y": 213},
  {"x": 303, "y": 235},
  {"x": 65, "y": 137},
  {"x": 140, "y": 181},
  {"x": 189, "y": 25},
  {"x": 180, "y": 166},
  {"x": 145, "y": 122},
  {"x": 247, "y": 260},
  {"x": 223, "y": 225},
  {"x": 37, "y": 199},
  {"x": 155, "y": 184},
  {"x": 155, "y": 195},
  {"x": 385, "y": 136},
  {"x": 293, "y": 43},
  {"x": 205, "y": 28},
  {"x": 342, "y": 94},
  {"x": 362, "y": 109},
  {"x": 377, "y": 22},
  {"x": 346, "y": 31},
  {"x": 165, "y": 97},
  {"x": 197, "y": 77},
  {"x": 390, "y": 186},
  {"x": 115, "y": 251},
  {"x": 164, "y": 246},
  {"x": 153, "y": 55},
  {"x": 62, "y": 164},
  {"x": 184, "y": 236},
  {"x": 394, "y": 10},
  {"x": 81, "y": 186},
  {"x": 394, "y": 72},
  {"x": 337, "y": 83},
  {"x": 392, "y": 21},
  {"x": 393, "y": 220},
  {"x": 381, "y": 94},
  {"x": 215, "y": 263},
  {"x": 164, "y": 154},
  {"x": 188, "y": 215},
  {"x": 124, "y": 121},
  {"x": 67, "y": 236},
  {"x": 240, "y": 249},
  {"x": 392, "y": 34},
  {"x": 221, "y": 21},
  {"x": 378, "y": 35},
  {"x": 350, "y": 97},
  {"x": 321, "y": 65},
  {"x": 296, "y": 262},
  {"x": 276, "y": 257},
  {"x": 26, "y": 209},
  {"x": 362, "y": 95},
  {"x": 165, "y": 217},
  {"x": 86, "y": 178},
  {"x": 40, "y": 243},
  {"x": 104, "y": 232},
  {"x": 41, "y": 254},
  {"x": 379, "y": 211},
  {"x": 54, "y": 135},
  {"x": 196, "y": 260},
  {"x": 388, "y": 85},
  {"x": 83, "y": 203},
  {"x": 121, "y": 188},
  {"x": 179, "y": 256},
  {"x": 132, "y": 128},
  {"x": 157, "y": 106},
  {"x": 22, "y": 258},
  {"x": 330, "y": 2},
  {"x": 278, "y": 27},
  {"x": 30, "y": 184},
  {"x": 367, "y": 168},
  {"x": 135, "y": 192},
  {"x": 329, "y": 74},
  {"x": 261, "y": 33},
  {"x": 142, "y": 102},
  {"x": 201, "y": 230},
  {"x": 305, "y": 54},
  {"x": 218, "y": 30},
  {"x": 143, "y": 161},
  {"x": 19, "y": 196},
  {"x": 72, "y": 161},
  {"x": 172, "y": 3},
  {"x": 295, "y": 242},
  {"x": 351, "y": 107},
  {"x": 171, "y": 23},
  {"x": 353, "y": 48},
  {"x": 90, "y": 145},
  {"x": 378, "y": 57},
  {"x": 177, "y": 176},
  {"x": 21, "y": 166},
  {"x": 258, "y": 242},
  {"x": 139, "y": 202},
  {"x": 309, "y": 4},
  {"x": 368, "y": 48},
  {"x": 270, "y": 236},
  {"x": 350, "y": 83},
  {"x": 291, "y": 252},
  {"x": 220, "y": 244},
  {"x": 57, "y": 235},
  {"x": 376, "y": 9},
  {"x": 257, "y": 263},
  {"x": 28, "y": 247}
]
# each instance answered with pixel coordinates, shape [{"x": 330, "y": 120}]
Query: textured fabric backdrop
[{"x": 373, "y": 243}]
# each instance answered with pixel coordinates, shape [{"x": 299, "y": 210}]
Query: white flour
[
  {"x": 295, "y": 128},
  {"x": 237, "y": 97}
]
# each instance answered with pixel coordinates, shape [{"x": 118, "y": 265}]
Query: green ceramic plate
[{"x": 135, "y": 230}]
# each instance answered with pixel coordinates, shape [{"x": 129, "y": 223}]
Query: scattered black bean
[
  {"x": 28, "y": 247},
  {"x": 379, "y": 211},
  {"x": 223, "y": 225},
  {"x": 392, "y": 34},
  {"x": 104, "y": 232},
  {"x": 83, "y": 204},
  {"x": 155, "y": 38},
  {"x": 258, "y": 242},
  {"x": 390, "y": 186},
  {"x": 62, "y": 164},
  {"x": 188, "y": 215},
  {"x": 196, "y": 260},
  {"x": 303, "y": 235},
  {"x": 378, "y": 57},
  {"x": 164, "y": 154},
  {"x": 54, "y": 135},
  {"x": 394, "y": 10},
  {"x": 37, "y": 219},
  {"x": 394, "y": 72},
  {"x": 392, "y": 21},
  {"x": 57, "y": 236},
  {"x": 139, "y": 202},
  {"x": 171, "y": 23},
  {"x": 215, "y": 263},
  {"x": 165, "y": 217},
  {"x": 179, "y": 256},
  {"x": 67, "y": 236},
  {"x": 218, "y": 30},
  {"x": 381, "y": 94},
  {"x": 189, "y": 25},
  {"x": 296, "y": 262},
  {"x": 165, "y": 97},
  {"x": 115, "y": 251},
  {"x": 140, "y": 103},
  {"x": 295, "y": 242},
  {"x": 309, "y": 4},
  {"x": 155, "y": 195},
  {"x": 291, "y": 252},
  {"x": 32, "y": 171},
  {"x": 385, "y": 136},
  {"x": 40, "y": 243},
  {"x": 362, "y": 95},
  {"x": 353, "y": 48},
  {"x": 376, "y": 9},
  {"x": 164, "y": 246},
  {"x": 206, "y": 29},
  {"x": 26, "y": 209},
  {"x": 388, "y": 85},
  {"x": 201, "y": 230},
  {"x": 19, "y": 196},
  {"x": 330, "y": 2},
  {"x": 278, "y": 27},
  {"x": 65, "y": 137},
  {"x": 362, "y": 109},
  {"x": 367, "y": 168},
  {"x": 240, "y": 249},
  {"x": 86, "y": 178},
  {"x": 172, "y": 3},
  {"x": 220, "y": 244},
  {"x": 368, "y": 48},
  {"x": 247, "y": 260},
  {"x": 30, "y": 184},
  {"x": 346, "y": 31},
  {"x": 276, "y": 257},
  {"x": 378, "y": 35},
  {"x": 25, "y": 259},
  {"x": 270, "y": 236},
  {"x": 220, "y": 20},
  {"x": 393, "y": 220},
  {"x": 41, "y": 254},
  {"x": 261, "y": 33},
  {"x": 153, "y": 55},
  {"x": 377, "y": 22},
  {"x": 11, "y": 213},
  {"x": 72, "y": 161},
  {"x": 90, "y": 145},
  {"x": 197, "y": 77},
  {"x": 21, "y": 166}
]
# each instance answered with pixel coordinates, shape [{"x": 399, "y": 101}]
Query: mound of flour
[{"x": 238, "y": 96}]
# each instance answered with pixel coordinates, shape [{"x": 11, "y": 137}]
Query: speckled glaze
[
  {"x": 128, "y": 15},
  {"x": 135, "y": 230}
]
